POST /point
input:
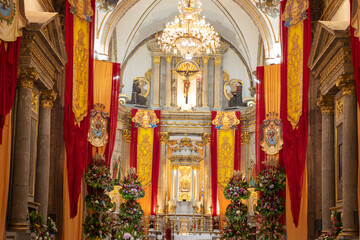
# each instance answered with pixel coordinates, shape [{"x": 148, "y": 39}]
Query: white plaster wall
[
  {"x": 233, "y": 65},
  {"x": 343, "y": 13},
  {"x": 32, "y": 5},
  {"x": 136, "y": 66}
]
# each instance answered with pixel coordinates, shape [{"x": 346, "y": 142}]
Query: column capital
[
  {"x": 205, "y": 59},
  {"x": 205, "y": 138},
  {"x": 126, "y": 135},
  {"x": 169, "y": 58},
  {"x": 164, "y": 137},
  {"x": 47, "y": 98},
  {"x": 217, "y": 61},
  {"x": 346, "y": 84},
  {"x": 245, "y": 137},
  {"x": 27, "y": 77},
  {"x": 326, "y": 104},
  {"x": 157, "y": 59}
]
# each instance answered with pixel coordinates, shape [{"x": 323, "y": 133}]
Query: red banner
[
  {"x": 213, "y": 144},
  {"x": 134, "y": 141},
  {"x": 237, "y": 153}
]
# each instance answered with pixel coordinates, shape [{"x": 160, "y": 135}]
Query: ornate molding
[
  {"x": 205, "y": 59},
  {"x": 334, "y": 63},
  {"x": 326, "y": 104},
  {"x": 206, "y": 138},
  {"x": 27, "y": 77},
  {"x": 35, "y": 102},
  {"x": 126, "y": 135},
  {"x": 339, "y": 108},
  {"x": 164, "y": 137},
  {"x": 157, "y": 59},
  {"x": 346, "y": 84},
  {"x": 169, "y": 58},
  {"x": 245, "y": 137},
  {"x": 47, "y": 98},
  {"x": 217, "y": 61}
]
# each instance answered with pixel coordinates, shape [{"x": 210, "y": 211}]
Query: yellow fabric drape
[
  {"x": 5, "y": 155},
  {"x": 301, "y": 231},
  {"x": 72, "y": 228},
  {"x": 223, "y": 204},
  {"x": 272, "y": 89},
  {"x": 102, "y": 89}
]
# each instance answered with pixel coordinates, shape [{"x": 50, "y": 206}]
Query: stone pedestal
[
  {"x": 350, "y": 161},
  {"x": 43, "y": 151},
  {"x": 21, "y": 161},
  {"x": 326, "y": 104}
]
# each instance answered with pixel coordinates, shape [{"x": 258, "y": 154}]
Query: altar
[{"x": 196, "y": 236}]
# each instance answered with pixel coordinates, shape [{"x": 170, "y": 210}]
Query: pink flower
[{"x": 127, "y": 235}]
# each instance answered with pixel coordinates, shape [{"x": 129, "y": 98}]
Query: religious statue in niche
[
  {"x": 187, "y": 70},
  {"x": 236, "y": 99},
  {"x": 136, "y": 97}
]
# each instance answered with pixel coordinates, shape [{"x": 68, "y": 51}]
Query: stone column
[
  {"x": 192, "y": 191},
  {"x": 217, "y": 79},
  {"x": 156, "y": 82},
  {"x": 205, "y": 77},
  {"x": 21, "y": 161},
  {"x": 349, "y": 156},
  {"x": 177, "y": 184},
  {"x": 326, "y": 104},
  {"x": 47, "y": 99},
  {"x": 207, "y": 170},
  {"x": 173, "y": 183},
  {"x": 126, "y": 139},
  {"x": 168, "y": 81},
  {"x": 162, "y": 174}
]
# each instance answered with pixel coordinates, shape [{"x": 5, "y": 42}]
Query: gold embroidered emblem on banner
[
  {"x": 98, "y": 129},
  {"x": 295, "y": 12},
  {"x": 82, "y": 9},
  {"x": 295, "y": 73},
  {"x": 145, "y": 155},
  {"x": 226, "y": 151},
  {"x": 80, "y": 69},
  {"x": 145, "y": 119},
  {"x": 225, "y": 120}
]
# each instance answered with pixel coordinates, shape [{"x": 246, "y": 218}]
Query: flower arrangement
[
  {"x": 131, "y": 188},
  {"x": 336, "y": 228},
  {"x": 237, "y": 188},
  {"x": 130, "y": 224},
  {"x": 236, "y": 213},
  {"x": 42, "y": 231},
  {"x": 98, "y": 223},
  {"x": 98, "y": 175},
  {"x": 270, "y": 205}
]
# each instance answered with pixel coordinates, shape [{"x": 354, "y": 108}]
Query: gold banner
[
  {"x": 226, "y": 152},
  {"x": 145, "y": 155},
  {"x": 295, "y": 73},
  {"x": 81, "y": 69}
]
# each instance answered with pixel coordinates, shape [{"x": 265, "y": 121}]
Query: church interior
[{"x": 186, "y": 119}]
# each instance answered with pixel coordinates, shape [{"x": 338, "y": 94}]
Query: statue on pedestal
[
  {"x": 236, "y": 99},
  {"x": 136, "y": 98}
]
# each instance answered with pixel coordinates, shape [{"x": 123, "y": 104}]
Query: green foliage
[
  {"x": 97, "y": 225},
  {"x": 336, "y": 227},
  {"x": 38, "y": 226},
  {"x": 98, "y": 175}
]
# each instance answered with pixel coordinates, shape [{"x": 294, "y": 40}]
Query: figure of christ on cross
[{"x": 187, "y": 73}]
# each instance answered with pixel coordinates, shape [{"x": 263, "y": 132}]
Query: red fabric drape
[
  {"x": 8, "y": 78},
  {"x": 213, "y": 144},
  {"x": 237, "y": 153},
  {"x": 115, "y": 88},
  {"x": 260, "y": 116},
  {"x": 295, "y": 140},
  {"x": 156, "y": 164},
  {"x": 133, "y": 142},
  {"x": 76, "y": 136},
  {"x": 355, "y": 52}
]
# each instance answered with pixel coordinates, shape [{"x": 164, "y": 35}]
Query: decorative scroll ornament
[
  {"x": 225, "y": 120},
  {"x": 145, "y": 154},
  {"x": 295, "y": 74},
  {"x": 98, "y": 130},
  {"x": 271, "y": 139},
  {"x": 145, "y": 119},
  {"x": 295, "y": 12},
  {"x": 82, "y": 9},
  {"x": 226, "y": 151}
]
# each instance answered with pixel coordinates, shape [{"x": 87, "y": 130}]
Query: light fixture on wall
[
  {"x": 269, "y": 7},
  {"x": 189, "y": 33},
  {"x": 106, "y": 5}
]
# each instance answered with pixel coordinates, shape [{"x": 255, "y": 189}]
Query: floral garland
[
  {"x": 270, "y": 205},
  {"x": 42, "y": 231},
  {"x": 236, "y": 213},
  {"x": 98, "y": 223},
  {"x": 336, "y": 228},
  {"x": 130, "y": 218}
]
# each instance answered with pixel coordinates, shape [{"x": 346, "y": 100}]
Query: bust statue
[
  {"x": 236, "y": 99},
  {"x": 136, "y": 98}
]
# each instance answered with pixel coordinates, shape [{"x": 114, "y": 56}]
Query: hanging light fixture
[
  {"x": 269, "y": 7},
  {"x": 189, "y": 33}
]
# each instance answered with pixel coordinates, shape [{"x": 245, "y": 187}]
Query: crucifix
[{"x": 186, "y": 74}]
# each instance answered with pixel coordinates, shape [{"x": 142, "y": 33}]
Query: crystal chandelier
[
  {"x": 106, "y": 5},
  {"x": 269, "y": 7},
  {"x": 189, "y": 33}
]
